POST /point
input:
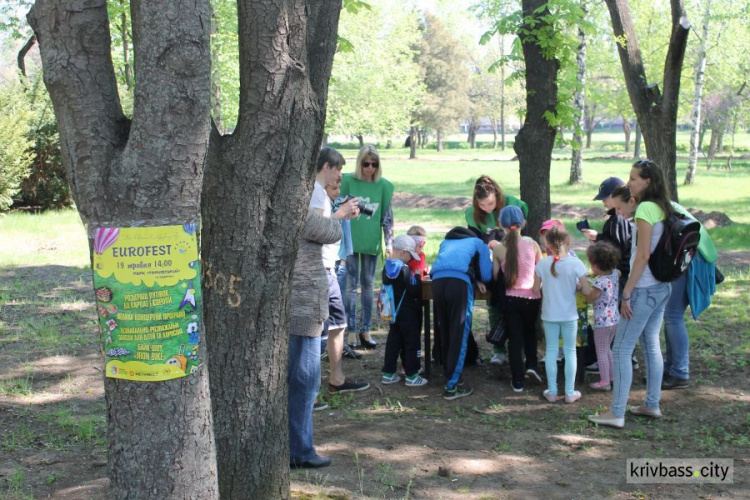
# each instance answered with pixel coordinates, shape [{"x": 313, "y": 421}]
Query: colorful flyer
[{"x": 148, "y": 300}]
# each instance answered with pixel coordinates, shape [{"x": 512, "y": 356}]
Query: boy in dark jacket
[
  {"x": 462, "y": 260},
  {"x": 404, "y": 337}
]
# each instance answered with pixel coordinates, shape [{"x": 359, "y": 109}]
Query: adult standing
[
  {"x": 368, "y": 232},
  {"x": 644, "y": 299},
  {"x": 483, "y": 215},
  {"x": 328, "y": 173},
  {"x": 694, "y": 288},
  {"x": 308, "y": 311}
]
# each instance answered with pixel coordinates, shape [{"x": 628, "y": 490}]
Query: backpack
[
  {"x": 676, "y": 247},
  {"x": 387, "y": 308}
]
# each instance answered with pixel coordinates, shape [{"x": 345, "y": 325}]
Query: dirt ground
[{"x": 389, "y": 441}]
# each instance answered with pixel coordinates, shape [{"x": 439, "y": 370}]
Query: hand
[
  {"x": 590, "y": 234},
  {"x": 625, "y": 310},
  {"x": 492, "y": 244},
  {"x": 348, "y": 210},
  {"x": 481, "y": 287}
]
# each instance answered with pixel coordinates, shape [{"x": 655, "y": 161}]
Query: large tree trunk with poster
[
  {"x": 656, "y": 111},
  {"x": 255, "y": 195},
  {"x": 160, "y": 434},
  {"x": 536, "y": 138}
]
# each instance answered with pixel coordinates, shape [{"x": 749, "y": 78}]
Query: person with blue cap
[{"x": 517, "y": 257}]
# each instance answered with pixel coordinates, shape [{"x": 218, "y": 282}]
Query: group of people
[{"x": 529, "y": 280}]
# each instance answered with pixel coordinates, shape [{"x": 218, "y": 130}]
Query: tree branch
[
  {"x": 675, "y": 55},
  {"x": 22, "y": 54}
]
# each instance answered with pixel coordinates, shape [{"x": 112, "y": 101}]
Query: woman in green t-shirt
[
  {"x": 644, "y": 299},
  {"x": 368, "y": 184}
]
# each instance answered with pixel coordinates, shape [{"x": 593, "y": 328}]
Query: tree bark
[
  {"x": 494, "y": 133},
  {"x": 637, "y": 147},
  {"x": 412, "y": 143},
  {"x": 361, "y": 139},
  {"x": 473, "y": 127},
  {"x": 160, "y": 435},
  {"x": 626, "y": 132},
  {"x": 695, "y": 115},
  {"x": 439, "y": 140},
  {"x": 590, "y": 123},
  {"x": 712, "y": 146},
  {"x": 579, "y": 104},
  {"x": 21, "y": 59},
  {"x": 535, "y": 140},
  {"x": 656, "y": 112},
  {"x": 256, "y": 192}
]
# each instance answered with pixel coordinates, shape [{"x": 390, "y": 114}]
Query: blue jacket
[
  {"x": 455, "y": 256},
  {"x": 701, "y": 284}
]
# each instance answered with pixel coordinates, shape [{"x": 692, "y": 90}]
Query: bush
[{"x": 15, "y": 156}]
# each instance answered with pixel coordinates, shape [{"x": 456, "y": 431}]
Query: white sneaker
[
  {"x": 417, "y": 381},
  {"x": 499, "y": 358},
  {"x": 608, "y": 419},
  {"x": 389, "y": 379}
]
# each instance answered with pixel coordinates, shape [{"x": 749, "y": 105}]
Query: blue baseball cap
[
  {"x": 606, "y": 187},
  {"x": 510, "y": 216}
]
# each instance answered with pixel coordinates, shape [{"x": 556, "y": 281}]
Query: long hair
[
  {"x": 484, "y": 187},
  {"x": 368, "y": 152},
  {"x": 656, "y": 191},
  {"x": 622, "y": 192},
  {"x": 511, "y": 240},
  {"x": 557, "y": 239}
]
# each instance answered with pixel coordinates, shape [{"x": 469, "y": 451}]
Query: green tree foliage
[
  {"x": 445, "y": 67},
  {"x": 15, "y": 158},
  {"x": 375, "y": 84}
]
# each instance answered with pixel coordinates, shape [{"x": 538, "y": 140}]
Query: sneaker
[
  {"x": 320, "y": 406},
  {"x": 517, "y": 387},
  {"x": 351, "y": 353},
  {"x": 593, "y": 367},
  {"x": 416, "y": 381},
  {"x": 533, "y": 371},
  {"x": 572, "y": 398},
  {"x": 671, "y": 382},
  {"x": 646, "y": 411},
  {"x": 608, "y": 419},
  {"x": 459, "y": 391},
  {"x": 499, "y": 358},
  {"x": 348, "y": 386},
  {"x": 635, "y": 363},
  {"x": 552, "y": 398},
  {"x": 600, "y": 386},
  {"x": 390, "y": 378}
]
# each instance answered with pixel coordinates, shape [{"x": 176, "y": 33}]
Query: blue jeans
[
  {"x": 341, "y": 273},
  {"x": 552, "y": 332},
  {"x": 677, "y": 344},
  {"x": 648, "y": 306},
  {"x": 360, "y": 270},
  {"x": 304, "y": 382}
]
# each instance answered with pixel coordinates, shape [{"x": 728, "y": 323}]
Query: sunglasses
[
  {"x": 373, "y": 164},
  {"x": 645, "y": 167}
]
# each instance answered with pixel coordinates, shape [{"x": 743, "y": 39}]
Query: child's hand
[
  {"x": 590, "y": 234},
  {"x": 492, "y": 244},
  {"x": 481, "y": 287}
]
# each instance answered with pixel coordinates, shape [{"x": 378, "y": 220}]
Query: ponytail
[
  {"x": 557, "y": 237},
  {"x": 511, "y": 257}
]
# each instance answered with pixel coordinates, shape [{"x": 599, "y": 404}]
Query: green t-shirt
[
  {"x": 490, "y": 220},
  {"x": 367, "y": 235}
]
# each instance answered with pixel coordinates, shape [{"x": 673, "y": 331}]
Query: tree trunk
[
  {"x": 720, "y": 138},
  {"x": 125, "y": 45},
  {"x": 695, "y": 115},
  {"x": 656, "y": 113},
  {"x": 589, "y": 124},
  {"x": 579, "y": 104},
  {"x": 494, "y": 133},
  {"x": 712, "y": 146},
  {"x": 160, "y": 434},
  {"x": 439, "y": 140},
  {"x": 535, "y": 140},
  {"x": 412, "y": 142},
  {"x": 472, "y": 138},
  {"x": 21, "y": 58},
  {"x": 361, "y": 139},
  {"x": 626, "y": 132},
  {"x": 637, "y": 147},
  {"x": 256, "y": 192}
]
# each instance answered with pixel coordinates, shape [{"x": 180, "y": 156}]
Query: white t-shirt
[
  {"x": 320, "y": 200},
  {"x": 559, "y": 293},
  {"x": 651, "y": 213}
]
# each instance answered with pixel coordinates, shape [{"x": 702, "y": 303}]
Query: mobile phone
[{"x": 584, "y": 224}]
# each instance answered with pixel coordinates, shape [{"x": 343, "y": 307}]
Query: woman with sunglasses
[
  {"x": 368, "y": 233},
  {"x": 644, "y": 299}
]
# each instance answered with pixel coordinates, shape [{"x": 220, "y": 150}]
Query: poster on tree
[{"x": 148, "y": 300}]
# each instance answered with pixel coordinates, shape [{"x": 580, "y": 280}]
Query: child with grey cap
[{"x": 404, "y": 339}]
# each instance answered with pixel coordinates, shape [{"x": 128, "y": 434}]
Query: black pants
[
  {"x": 453, "y": 299},
  {"x": 404, "y": 340},
  {"x": 520, "y": 320}
]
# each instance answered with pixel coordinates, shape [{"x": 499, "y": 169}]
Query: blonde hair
[
  {"x": 368, "y": 151},
  {"x": 558, "y": 241},
  {"x": 416, "y": 231}
]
